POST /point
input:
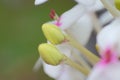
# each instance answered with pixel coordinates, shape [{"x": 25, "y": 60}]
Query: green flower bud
[
  {"x": 50, "y": 54},
  {"x": 53, "y": 33},
  {"x": 117, "y": 4}
]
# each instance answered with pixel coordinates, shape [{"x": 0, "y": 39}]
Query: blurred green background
[{"x": 20, "y": 34}]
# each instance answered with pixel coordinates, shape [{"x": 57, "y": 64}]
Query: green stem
[
  {"x": 92, "y": 58},
  {"x": 76, "y": 66},
  {"x": 81, "y": 61}
]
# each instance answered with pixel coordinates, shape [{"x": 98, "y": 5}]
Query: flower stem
[
  {"x": 111, "y": 8},
  {"x": 93, "y": 59},
  {"x": 82, "y": 61},
  {"x": 83, "y": 70}
]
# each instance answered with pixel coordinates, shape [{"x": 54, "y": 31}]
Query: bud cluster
[{"x": 49, "y": 53}]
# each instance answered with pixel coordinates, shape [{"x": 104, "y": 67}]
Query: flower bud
[
  {"x": 117, "y": 4},
  {"x": 53, "y": 33},
  {"x": 50, "y": 54}
]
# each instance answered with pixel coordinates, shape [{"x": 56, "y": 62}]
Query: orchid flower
[
  {"x": 107, "y": 68},
  {"x": 77, "y": 22},
  {"x": 67, "y": 22},
  {"x": 108, "y": 43}
]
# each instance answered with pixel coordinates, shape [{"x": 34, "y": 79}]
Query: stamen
[{"x": 53, "y": 15}]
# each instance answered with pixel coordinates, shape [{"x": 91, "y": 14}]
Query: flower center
[{"x": 108, "y": 56}]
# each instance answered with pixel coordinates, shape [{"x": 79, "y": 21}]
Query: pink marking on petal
[
  {"x": 57, "y": 23},
  {"x": 108, "y": 56}
]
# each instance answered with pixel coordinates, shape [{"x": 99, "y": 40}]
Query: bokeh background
[{"x": 20, "y": 35}]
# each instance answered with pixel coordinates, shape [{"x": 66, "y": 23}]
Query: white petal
[
  {"x": 86, "y": 2},
  {"x": 63, "y": 72},
  {"x": 109, "y": 72},
  {"x": 97, "y": 6},
  {"x": 52, "y": 71},
  {"x": 38, "y": 2},
  {"x": 105, "y": 18},
  {"x": 71, "y": 16},
  {"x": 65, "y": 48},
  {"x": 69, "y": 73},
  {"x": 113, "y": 71},
  {"x": 82, "y": 29},
  {"x": 95, "y": 73},
  {"x": 109, "y": 35}
]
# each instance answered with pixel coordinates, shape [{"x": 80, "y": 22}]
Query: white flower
[
  {"x": 107, "y": 68},
  {"x": 108, "y": 37},
  {"x": 77, "y": 22},
  {"x": 73, "y": 21}
]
